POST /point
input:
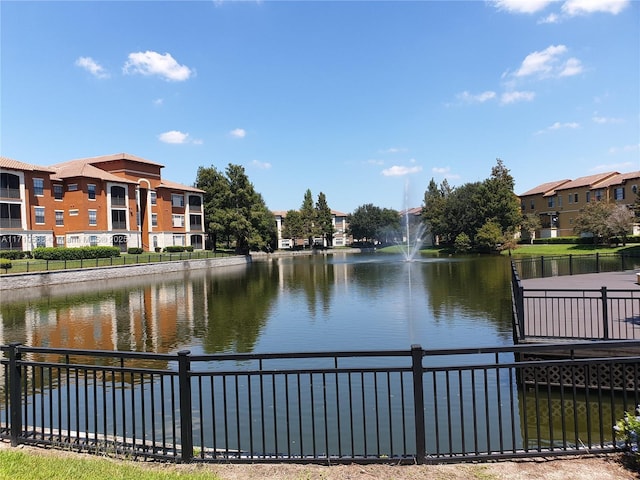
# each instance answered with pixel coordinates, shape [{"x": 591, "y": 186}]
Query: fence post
[
  {"x": 597, "y": 262},
  {"x": 15, "y": 394},
  {"x": 520, "y": 307},
  {"x": 418, "y": 403},
  {"x": 570, "y": 264},
  {"x": 605, "y": 314},
  {"x": 541, "y": 266},
  {"x": 184, "y": 385}
]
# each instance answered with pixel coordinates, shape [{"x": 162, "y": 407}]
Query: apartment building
[
  {"x": 558, "y": 203},
  {"x": 340, "y": 237},
  {"x": 116, "y": 200}
]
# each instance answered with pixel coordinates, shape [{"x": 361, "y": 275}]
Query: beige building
[
  {"x": 558, "y": 203},
  {"x": 340, "y": 237}
]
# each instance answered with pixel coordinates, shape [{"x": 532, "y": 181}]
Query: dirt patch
[{"x": 603, "y": 467}]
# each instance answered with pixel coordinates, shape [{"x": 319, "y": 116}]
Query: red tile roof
[
  {"x": 12, "y": 164},
  {"x": 545, "y": 188},
  {"x": 588, "y": 181}
]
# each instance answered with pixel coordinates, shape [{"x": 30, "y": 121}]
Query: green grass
[
  {"x": 570, "y": 249},
  {"x": 17, "y": 465}
]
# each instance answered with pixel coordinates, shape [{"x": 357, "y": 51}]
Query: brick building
[{"x": 117, "y": 200}]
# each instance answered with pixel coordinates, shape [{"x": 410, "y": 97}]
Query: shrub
[
  {"x": 188, "y": 248},
  {"x": 12, "y": 254},
  {"x": 135, "y": 250},
  {"x": 174, "y": 248},
  {"x": 81, "y": 253},
  {"x": 628, "y": 430},
  {"x": 462, "y": 243},
  {"x": 5, "y": 264}
]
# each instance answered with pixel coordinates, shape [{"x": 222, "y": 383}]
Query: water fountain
[{"x": 412, "y": 240}]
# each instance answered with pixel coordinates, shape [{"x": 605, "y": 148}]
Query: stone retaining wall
[{"x": 62, "y": 277}]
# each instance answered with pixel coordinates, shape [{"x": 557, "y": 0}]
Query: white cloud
[
  {"x": 571, "y": 67},
  {"x": 522, "y": 6},
  {"x": 261, "y": 165},
  {"x": 238, "y": 133},
  {"x": 177, "y": 137},
  {"x": 154, "y": 63},
  {"x": 512, "y": 97},
  {"x": 467, "y": 97},
  {"x": 602, "y": 120},
  {"x": 625, "y": 149},
  {"x": 158, "y": 102},
  {"x": 91, "y": 66},
  {"x": 551, "y": 18},
  {"x": 559, "y": 126},
  {"x": 585, "y": 7},
  {"x": 394, "y": 150},
  {"x": 399, "y": 171},
  {"x": 540, "y": 62}
]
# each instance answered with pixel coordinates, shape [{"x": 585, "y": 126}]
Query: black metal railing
[
  {"x": 35, "y": 265},
  {"x": 406, "y": 406},
  {"x": 557, "y": 265},
  {"x": 573, "y": 314}
]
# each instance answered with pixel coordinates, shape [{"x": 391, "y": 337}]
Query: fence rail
[
  {"x": 557, "y": 265},
  {"x": 30, "y": 266},
  {"x": 573, "y": 314},
  {"x": 407, "y": 406}
]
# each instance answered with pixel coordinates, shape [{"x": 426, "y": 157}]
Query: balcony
[
  {"x": 10, "y": 223},
  {"x": 9, "y": 192}
]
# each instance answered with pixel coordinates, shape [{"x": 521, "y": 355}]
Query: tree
[
  {"x": 462, "y": 243},
  {"x": 308, "y": 213},
  {"x": 217, "y": 197},
  {"x": 502, "y": 204},
  {"x": 620, "y": 222},
  {"x": 234, "y": 209},
  {"x": 489, "y": 236},
  {"x": 433, "y": 208},
  {"x": 530, "y": 224},
  {"x": 292, "y": 227},
  {"x": 593, "y": 220},
  {"x": 368, "y": 222},
  {"x": 324, "y": 219}
]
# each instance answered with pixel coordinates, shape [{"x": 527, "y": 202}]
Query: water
[{"x": 314, "y": 303}]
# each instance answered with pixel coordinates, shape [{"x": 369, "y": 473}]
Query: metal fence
[
  {"x": 574, "y": 314},
  {"x": 407, "y": 406},
  {"x": 35, "y": 265},
  {"x": 556, "y": 265}
]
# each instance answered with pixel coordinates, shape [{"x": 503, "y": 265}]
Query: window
[
  {"x": 178, "y": 220},
  {"x": 72, "y": 187},
  {"x": 634, "y": 188},
  {"x": 154, "y": 219},
  {"x": 588, "y": 197},
  {"x": 59, "y": 218},
  {"x": 93, "y": 241},
  {"x": 39, "y": 215},
  {"x": 41, "y": 241},
  {"x": 119, "y": 219},
  {"x": 73, "y": 213},
  {"x": 178, "y": 240},
  {"x": 177, "y": 200},
  {"x": 559, "y": 201},
  {"x": 93, "y": 218},
  {"x": 154, "y": 198},
  {"x": 618, "y": 193},
  {"x": 599, "y": 194},
  {"x": 58, "y": 191},
  {"x": 551, "y": 202},
  {"x": 9, "y": 185},
  {"x": 10, "y": 215},
  {"x": 91, "y": 192},
  {"x": 195, "y": 222},
  {"x": 38, "y": 187},
  {"x": 575, "y": 198},
  {"x": 118, "y": 196},
  {"x": 195, "y": 203},
  {"x": 533, "y": 205},
  {"x": 60, "y": 241},
  {"x": 74, "y": 239}
]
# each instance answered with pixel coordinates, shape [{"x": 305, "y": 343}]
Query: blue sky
[{"x": 361, "y": 100}]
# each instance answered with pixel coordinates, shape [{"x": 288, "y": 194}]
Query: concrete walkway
[{"x": 587, "y": 281}]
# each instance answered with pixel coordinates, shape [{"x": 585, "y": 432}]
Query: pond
[{"x": 367, "y": 301}]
